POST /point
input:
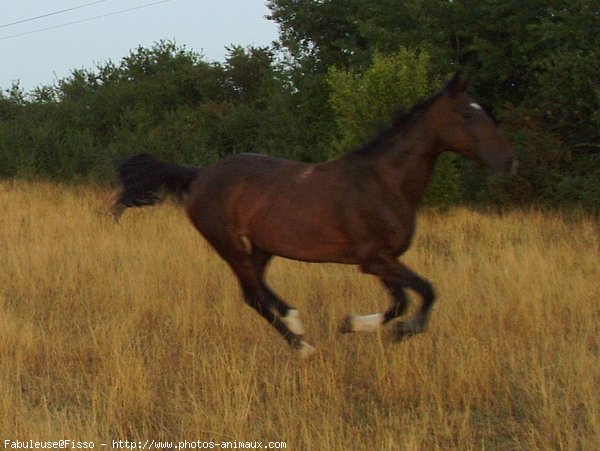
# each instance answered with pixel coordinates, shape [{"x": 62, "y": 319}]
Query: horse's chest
[{"x": 394, "y": 231}]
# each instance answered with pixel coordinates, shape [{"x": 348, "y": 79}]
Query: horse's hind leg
[
  {"x": 249, "y": 269},
  {"x": 287, "y": 314}
]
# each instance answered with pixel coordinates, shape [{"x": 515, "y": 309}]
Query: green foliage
[
  {"x": 566, "y": 94},
  {"x": 165, "y": 100},
  {"x": 362, "y": 102},
  {"x": 444, "y": 187},
  {"x": 321, "y": 34},
  {"x": 539, "y": 53},
  {"x": 338, "y": 71},
  {"x": 549, "y": 173}
]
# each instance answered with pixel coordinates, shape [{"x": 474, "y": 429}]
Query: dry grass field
[{"x": 138, "y": 332}]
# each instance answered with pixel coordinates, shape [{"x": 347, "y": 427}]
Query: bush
[{"x": 362, "y": 102}]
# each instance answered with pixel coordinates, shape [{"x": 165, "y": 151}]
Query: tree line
[{"x": 338, "y": 71}]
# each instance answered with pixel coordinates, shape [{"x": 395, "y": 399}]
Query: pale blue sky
[{"x": 204, "y": 26}]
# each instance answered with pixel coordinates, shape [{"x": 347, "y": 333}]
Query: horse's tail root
[{"x": 146, "y": 181}]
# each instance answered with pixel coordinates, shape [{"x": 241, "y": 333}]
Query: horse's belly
[{"x": 304, "y": 242}]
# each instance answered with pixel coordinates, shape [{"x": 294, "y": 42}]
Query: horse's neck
[{"x": 407, "y": 165}]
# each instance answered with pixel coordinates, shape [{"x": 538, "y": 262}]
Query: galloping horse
[{"x": 358, "y": 209}]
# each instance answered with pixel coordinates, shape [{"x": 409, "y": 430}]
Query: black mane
[{"x": 401, "y": 121}]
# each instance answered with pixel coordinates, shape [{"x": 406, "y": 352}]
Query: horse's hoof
[
  {"x": 305, "y": 350},
  {"x": 404, "y": 331},
  {"x": 347, "y": 325}
]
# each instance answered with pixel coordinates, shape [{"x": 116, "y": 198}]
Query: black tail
[{"x": 146, "y": 181}]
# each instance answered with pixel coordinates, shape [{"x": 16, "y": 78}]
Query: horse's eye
[{"x": 467, "y": 115}]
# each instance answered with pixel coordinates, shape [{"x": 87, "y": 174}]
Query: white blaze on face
[{"x": 476, "y": 106}]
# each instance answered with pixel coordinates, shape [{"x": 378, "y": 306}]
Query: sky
[{"x": 43, "y": 57}]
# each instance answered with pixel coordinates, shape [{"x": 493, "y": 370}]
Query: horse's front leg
[{"x": 396, "y": 277}]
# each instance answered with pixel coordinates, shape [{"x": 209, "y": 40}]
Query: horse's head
[{"x": 463, "y": 126}]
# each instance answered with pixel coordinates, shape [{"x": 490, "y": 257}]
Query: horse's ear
[{"x": 457, "y": 85}]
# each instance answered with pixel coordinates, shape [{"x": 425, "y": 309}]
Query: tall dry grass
[{"x": 138, "y": 332}]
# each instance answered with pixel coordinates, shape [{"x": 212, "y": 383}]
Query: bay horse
[{"x": 358, "y": 209}]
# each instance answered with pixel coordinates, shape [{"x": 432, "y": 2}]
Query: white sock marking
[
  {"x": 293, "y": 323},
  {"x": 366, "y": 323}
]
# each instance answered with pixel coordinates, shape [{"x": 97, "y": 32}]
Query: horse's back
[{"x": 248, "y": 171}]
